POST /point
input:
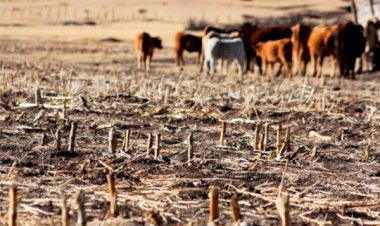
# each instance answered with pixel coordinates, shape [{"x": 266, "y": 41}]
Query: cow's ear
[
  {"x": 258, "y": 46},
  {"x": 360, "y": 28}
]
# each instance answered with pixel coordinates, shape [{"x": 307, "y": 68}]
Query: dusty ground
[{"x": 328, "y": 178}]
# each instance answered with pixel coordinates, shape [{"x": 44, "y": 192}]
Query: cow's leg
[
  {"x": 295, "y": 62},
  {"x": 271, "y": 65},
  {"x": 233, "y": 66},
  {"x": 304, "y": 67},
  {"x": 224, "y": 64},
  {"x": 320, "y": 64},
  {"x": 351, "y": 67},
  {"x": 207, "y": 66},
  {"x": 243, "y": 63},
  {"x": 149, "y": 60},
  {"x": 280, "y": 70},
  {"x": 255, "y": 69},
  {"x": 249, "y": 57},
  {"x": 334, "y": 64},
  {"x": 283, "y": 66},
  {"x": 265, "y": 67},
  {"x": 287, "y": 70},
  {"x": 300, "y": 63},
  {"x": 145, "y": 56},
  {"x": 218, "y": 66},
  {"x": 240, "y": 66},
  {"x": 361, "y": 64},
  {"x": 365, "y": 62},
  {"x": 314, "y": 65},
  {"x": 259, "y": 63},
  {"x": 202, "y": 61},
  {"x": 352, "y": 72},
  {"x": 139, "y": 59},
  {"x": 178, "y": 57},
  {"x": 371, "y": 60},
  {"x": 211, "y": 66},
  {"x": 182, "y": 60},
  {"x": 302, "y": 70}
]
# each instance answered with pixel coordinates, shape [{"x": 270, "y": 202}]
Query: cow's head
[
  {"x": 361, "y": 40},
  {"x": 375, "y": 21},
  {"x": 157, "y": 42},
  {"x": 257, "y": 48},
  {"x": 247, "y": 29}
]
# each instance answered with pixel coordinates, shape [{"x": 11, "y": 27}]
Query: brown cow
[
  {"x": 301, "y": 55},
  {"x": 188, "y": 42},
  {"x": 275, "y": 51},
  {"x": 319, "y": 48},
  {"x": 144, "y": 45},
  {"x": 252, "y": 35}
]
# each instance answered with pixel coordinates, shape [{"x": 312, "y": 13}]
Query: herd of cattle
[{"x": 257, "y": 48}]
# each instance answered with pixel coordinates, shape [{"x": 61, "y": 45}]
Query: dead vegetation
[{"x": 131, "y": 147}]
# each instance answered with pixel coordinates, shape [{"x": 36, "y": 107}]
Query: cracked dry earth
[{"x": 333, "y": 172}]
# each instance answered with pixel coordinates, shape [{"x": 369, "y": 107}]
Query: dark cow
[
  {"x": 372, "y": 55},
  {"x": 350, "y": 46},
  {"x": 188, "y": 42},
  {"x": 144, "y": 45}
]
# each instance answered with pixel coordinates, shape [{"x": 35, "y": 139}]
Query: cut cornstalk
[
  {"x": 265, "y": 138},
  {"x": 256, "y": 141},
  {"x": 157, "y": 146},
  {"x": 12, "y": 212},
  {"x": 57, "y": 136},
  {"x": 149, "y": 144},
  {"x": 190, "y": 147},
  {"x": 279, "y": 138},
  {"x": 65, "y": 211},
  {"x": 222, "y": 133},
  {"x": 113, "y": 211},
  {"x": 72, "y": 136},
  {"x": 37, "y": 97},
  {"x": 214, "y": 205},
  {"x": 235, "y": 210},
  {"x": 282, "y": 205},
  {"x": 112, "y": 141},
  {"x": 126, "y": 140},
  {"x": 82, "y": 221}
]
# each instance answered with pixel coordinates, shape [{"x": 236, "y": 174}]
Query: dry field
[{"x": 332, "y": 174}]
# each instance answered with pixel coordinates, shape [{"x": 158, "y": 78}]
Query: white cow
[{"x": 225, "y": 49}]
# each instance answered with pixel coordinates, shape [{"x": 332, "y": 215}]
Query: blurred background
[{"x": 96, "y": 19}]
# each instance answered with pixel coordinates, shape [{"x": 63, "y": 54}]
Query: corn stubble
[{"x": 213, "y": 205}]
